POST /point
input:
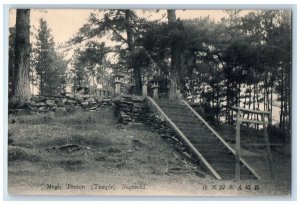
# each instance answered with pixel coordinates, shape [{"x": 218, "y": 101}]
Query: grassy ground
[{"x": 90, "y": 154}]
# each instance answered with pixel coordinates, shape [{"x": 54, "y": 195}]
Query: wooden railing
[
  {"x": 239, "y": 120},
  {"x": 101, "y": 92},
  {"x": 221, "y": 139},
  {"x": 154, "y": 107}
]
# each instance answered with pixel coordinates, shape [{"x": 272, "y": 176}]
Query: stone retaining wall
[
  {"x": 129, "y": 108},
  {"x": 59, "y": 104},
  {"x": 133, "y": 109}
]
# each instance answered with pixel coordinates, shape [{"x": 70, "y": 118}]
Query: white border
[{"x": 211, "y": 4}]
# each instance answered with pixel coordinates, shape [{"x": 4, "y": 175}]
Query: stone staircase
[{"x": 214, "y": 151}]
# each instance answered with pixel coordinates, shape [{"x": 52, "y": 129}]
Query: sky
[{"x": 65, "y": 23}]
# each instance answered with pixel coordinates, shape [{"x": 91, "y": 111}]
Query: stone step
[
  {"x": 178, "y": 112},
  {"x": 164, "y": 101},
  {"x": 218, "y": 158},
  {"x": 212, "y": 149},
  {"x": 225, "y": 161},
  {"x": 204, "y": 139},
  {"x": 185, "y": 119},
  {"x": 172, "y": 106},
  {"x": 174, "y": 113},
  {"x": 192, "y": 127},
  {"x": 208, "y": 147},
  {"x": 197, "y": 132}
]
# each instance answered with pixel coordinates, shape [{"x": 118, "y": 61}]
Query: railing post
[
  {"x": 238, "y": 147},
  {"x": 144, "y": 90},
  {"x": 266, "y": 137}
]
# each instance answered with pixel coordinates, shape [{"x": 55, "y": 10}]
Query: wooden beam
[
  {"x": 221, "y": 139},
  {"x": 252, "y": 111},
  {"x": 250, "y": 121},
  {"x": 238, "y": 148},
  {"x": 177, "y": 130},
  {"x": 266, "y": 137}
]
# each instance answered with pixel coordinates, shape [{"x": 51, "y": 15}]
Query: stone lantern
[
  {"x": 118, "y": 80},
  {"x": 155, "y": 87}
]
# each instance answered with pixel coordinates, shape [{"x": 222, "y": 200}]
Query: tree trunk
[
  {"x": 281, "y": 100},
  {"x": 21, "y": 92},
  {"x": 131, "y": 47},
  {"x": 175, "y": 63}
]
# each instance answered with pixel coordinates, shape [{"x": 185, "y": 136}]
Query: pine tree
[
  {"x": 21, "y": 89},
  {"x": 49, "y": 64}
]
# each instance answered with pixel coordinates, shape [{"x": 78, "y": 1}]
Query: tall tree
[
  {"x": 11, "y": 62},
  {"x": 124, "y": 27},
  {"x": 49, "y": 64},
  {"x": 21, "y": 89},
  {"x": 175, "y": 43}
]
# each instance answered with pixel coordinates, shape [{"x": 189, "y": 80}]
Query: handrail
[
  {"x": 221, "y": 139},
  {"x": 253, "y": 111},
  {"x": 177, "y": 130}
]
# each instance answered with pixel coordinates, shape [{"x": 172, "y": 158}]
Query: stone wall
[
  {"x": 65, "y": 104},
  {"x": 129, "y": 108},
  {"x": 133, "y": 109}
]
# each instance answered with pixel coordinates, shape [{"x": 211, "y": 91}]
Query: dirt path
[{"x": 90, "y": 154}]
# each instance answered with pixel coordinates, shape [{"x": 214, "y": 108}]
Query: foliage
[{"x": 49, "y": 65}]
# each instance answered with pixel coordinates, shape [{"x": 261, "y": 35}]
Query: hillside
[{"x": 89, "y": 153}]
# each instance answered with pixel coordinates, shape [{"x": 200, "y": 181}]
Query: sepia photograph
[{"x": 149, "y": 102}]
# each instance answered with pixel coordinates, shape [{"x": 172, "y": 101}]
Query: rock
[
  {"x": 135, "y": 110},
  {"x": 125, "y": 109},
  {"x": 139, "y": 105},
  {"x": 106, "y": 100},
  {"x": 50, "y": 102},
  {"x": 84, "y": 104},
  {"x": 175, "y": 139},
  {"x": 123, "y": 105},
  {"x": 71, "y": 102},
  {"x": 43, "y": 109},
  {"x": 165, "y": 135},
  {"x": 123, "y": 114},
  {"x": 92, "y": 103},
  {"x": 38, "y": 99},
  {"x": 41, "y": 104},
  {"x": 32, "y": 103},
  {"x": 91, "y": 100},
  {"x": 126, "y": 102},
  {"x": 79, "y": 99},
  {"x": 60, "y": 104},
  {"x": 187, "y": 155},
  {"x": 93, "y": 108},
  {"x": 64, "y": 100},
  {"x": 53, "y": 108}
]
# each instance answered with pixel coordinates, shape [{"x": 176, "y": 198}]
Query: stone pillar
[
  {"x": 111, "y": 91},
  {"x": 144, "y": 90},
  {"x": 117, "y": 88},
  {"x": 92, "y": 90},
  {"x": 98, "y": 93},
  {"x": 155, "y": 87}
]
